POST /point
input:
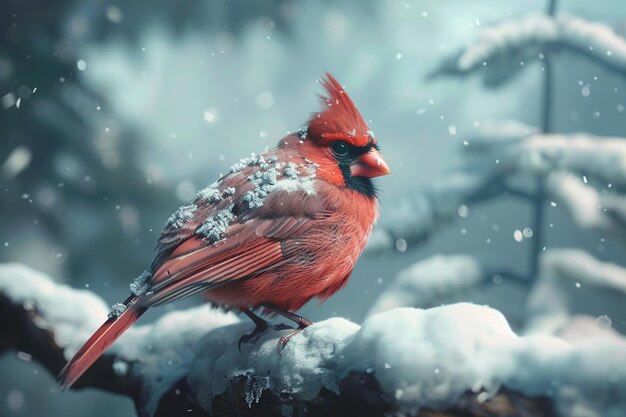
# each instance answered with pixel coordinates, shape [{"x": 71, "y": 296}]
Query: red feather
[
  {"x": 340, "y": 119},
  {"x": 252, "y": 239},
  {"x": 99, "y": 342}
]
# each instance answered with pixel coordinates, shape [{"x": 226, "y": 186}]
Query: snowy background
[{"x": 113, "y": 115}]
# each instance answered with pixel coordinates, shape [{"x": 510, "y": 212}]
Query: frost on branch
[
  {"x": 503, "y": 50},
  {"x": 455, "y": 358}
]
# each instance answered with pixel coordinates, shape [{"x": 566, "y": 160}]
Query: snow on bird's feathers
[{"x": 216, "y": 207}]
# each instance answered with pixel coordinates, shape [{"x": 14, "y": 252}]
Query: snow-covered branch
[
  {"x": 601, "y": 157},
  {"x": 461, "y": 358},
  {"x": 589, "y": 208},
  {"x": 435, "y": 281},
  {"x": 502, "y": 51},
  {"x": 572, "y": 283},
  {"x": 499, "y": 153}
]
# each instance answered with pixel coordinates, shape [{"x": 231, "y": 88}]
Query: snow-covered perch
[
  {"x": 456, "y": 358},
  {"x": 504, "y": 49},
  {"x": 65, "y": 317}
]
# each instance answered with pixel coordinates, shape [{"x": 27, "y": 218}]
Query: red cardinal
[{"x": 279, "y": 229}]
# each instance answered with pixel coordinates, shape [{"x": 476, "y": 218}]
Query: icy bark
[{"x": 461, "y": 359}]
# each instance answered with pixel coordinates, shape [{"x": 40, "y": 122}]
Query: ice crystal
[
  {"x": 298, "y": 184},
  {"x": 141, "y": 284},
  {"x": 291, "y": 170},
  {"x": 255, "y": 385},
  {"x": 213, "y": 194},
  {"x": 117, "y": 310},
  {"x": 210, "y": 193},
  {"x": 182, "y": 215},
  {"x": 266, "y": 181},
  {"x": 252, "y": 160},
  {"x": 310, "y": 168},
  {"x": 303, "y": 132},
  {"x": 215, "y": 226}
]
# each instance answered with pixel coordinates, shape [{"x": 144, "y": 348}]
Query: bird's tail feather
[{"x": 99, "y": 342}]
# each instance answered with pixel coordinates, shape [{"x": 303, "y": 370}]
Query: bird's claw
[
  {"x": 282, "y": 342},
  {"x": 254, "y": 336}
]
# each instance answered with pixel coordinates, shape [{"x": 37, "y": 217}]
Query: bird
[{"x": 280, "y": 228}]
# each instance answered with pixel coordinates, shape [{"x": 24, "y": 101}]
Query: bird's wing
[
  {"x": 250, "y": 249},
  {"x": 253, "y": 243},
  {"x": 237, "y": 228}
]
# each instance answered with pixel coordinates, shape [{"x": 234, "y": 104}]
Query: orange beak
[{"x": 370, "y": 165}]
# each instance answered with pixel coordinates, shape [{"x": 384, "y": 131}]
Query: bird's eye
[{"x": 340, "y": 148}]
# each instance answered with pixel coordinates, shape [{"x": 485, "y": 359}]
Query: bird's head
[{"x": 345, "y": 147}]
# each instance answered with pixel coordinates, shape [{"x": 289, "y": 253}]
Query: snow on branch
[
  {"x": 590, "y": 208},
  {"x": 498, "y": 154},
  {"x": 480, "y": 178},
  {"x": 503, "y": 50},
  {"x": 462, "y": 358},
  {"x": 601, "y": 157},
  {"x": 440, "y": 279},
  {"x": 431, "y": 282},
  {"x": 144, "y": 363},
  {"x": 573, "y": 283},
  {"x": 492, "y": 134}
]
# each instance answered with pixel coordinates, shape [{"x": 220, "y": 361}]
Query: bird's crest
[{"x": 339, "y": 118}]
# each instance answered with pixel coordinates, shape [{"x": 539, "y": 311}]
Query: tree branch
[
  {"x": 23, "y": 329},
  {"x": 250, "y": 391}
]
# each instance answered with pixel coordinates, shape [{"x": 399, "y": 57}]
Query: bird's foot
[
  {"x": 282, "y": 342},
  {"x": 302, "y": 323},
  {"x": 260, "y": 328}
]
